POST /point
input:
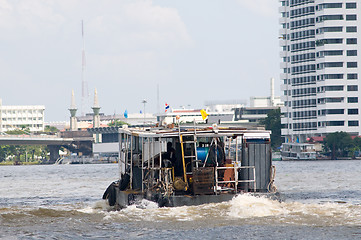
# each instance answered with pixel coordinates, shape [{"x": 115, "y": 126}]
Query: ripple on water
[{"x": 243, "y": 209}]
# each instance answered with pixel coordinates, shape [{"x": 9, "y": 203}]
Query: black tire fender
[{"x": 110, "y": 194}]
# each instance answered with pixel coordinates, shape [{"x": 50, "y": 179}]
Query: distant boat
[
  {"x": 276, "y": 156},
  {"x": 298, "y": 151}
]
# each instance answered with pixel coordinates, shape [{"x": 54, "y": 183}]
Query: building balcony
[
  {"x": 282, "y": 31},
  {"x": 283, "y": 65},
  {"x": 284, "y": 54},
  {"x": 282, "y": 9},
  {"x": 282, "y": 20}
]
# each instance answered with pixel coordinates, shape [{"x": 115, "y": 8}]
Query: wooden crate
[{"x": 203, "y": 181}]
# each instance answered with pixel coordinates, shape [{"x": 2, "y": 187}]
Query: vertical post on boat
[
  {"x": 229, "y": 147},
  {"x": 160, "y": 159},
  {"x": 153, "y": 153},
  {"x": 142, "y": 164},
  {"x": 216, "y": 167},
  {"x": 237, "y": 150},
  {"x": 148, "y": 140},
  {"x": 126, "y": 145},
  {"x": 131, "y": 162},
  {"x": 183, "y": 160},
  {"x": 195, "y": 143},
  {"x": 120, "y": 161}
]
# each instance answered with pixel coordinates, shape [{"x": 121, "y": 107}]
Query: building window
[
  {"x": 352, "y": 88},
  {"x": 352, "y": 76},
  {"x": 351, "y": 17},
  {"x": 328, "y": 29},
  {"x": 335, "y": 123},
  {"x": 322, "y": 42},
  {"x": 352, "y": 123},
  {"x": 329, "y": 65},
  {"x": 351, "y": 41},
  {"x": 328, "y": 5},
  {"x": 351, "y": 64},
  {"x": 351, "y": 52},
  {"x": 351, "y": 29},
  {"x": 350, "y": 5},
  {"x": 334, "y": 111},
  {"x": 352, "y": 99},
  {"x": 329, "y": 17},
  {"x": 329, "y": 53},
  {"x": 353, "y": 111},
  {"x": 333, "y": 88},
  {"x": 329, "y": 76}
]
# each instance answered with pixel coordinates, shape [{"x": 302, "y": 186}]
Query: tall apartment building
[{"x": 320, "y": 67}]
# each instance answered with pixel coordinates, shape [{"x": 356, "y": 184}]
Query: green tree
[
  {"x": 273, "y": 122},
  {"x": 50, "y": 129},
  {"x": 4, "y": 150},
  {"x": 18, "y": 132},
  {"x": 117, "y": 123},
  {"x": 340, "y": 144}
]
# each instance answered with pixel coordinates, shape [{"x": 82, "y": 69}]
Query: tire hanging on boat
[
  {"x": 163, "y": 202},
  {"x": 110, "y": 194}
]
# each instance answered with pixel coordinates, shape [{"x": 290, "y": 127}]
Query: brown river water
[{"x": 322, "y": 200}]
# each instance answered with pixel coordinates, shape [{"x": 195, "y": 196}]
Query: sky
[{"x": 180, "y": 52}]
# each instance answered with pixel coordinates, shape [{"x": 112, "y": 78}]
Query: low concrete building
[{"x": 17, "y": 117}]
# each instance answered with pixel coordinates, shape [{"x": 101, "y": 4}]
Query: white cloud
[
  {"x": 265, "y": 8},
  {"x": 35, "y": 17},
  {"x": 141, "y": 24}
]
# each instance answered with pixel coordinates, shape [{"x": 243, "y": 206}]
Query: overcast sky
[{"x": 195, "y": 50}]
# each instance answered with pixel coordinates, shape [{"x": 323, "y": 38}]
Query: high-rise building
[{"x": 320, "y": 67}]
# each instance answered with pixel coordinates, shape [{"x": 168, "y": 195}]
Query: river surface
[{"x": 322, "y": 200}]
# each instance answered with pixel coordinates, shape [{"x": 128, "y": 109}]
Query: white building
[
  {"x": 270, "y": 101},
  {"x": 17, "y": 117},
  {"x": 224, "y": 106},
  {"x": 320, "y": 42},
  {"x": 132, "y": 119}
]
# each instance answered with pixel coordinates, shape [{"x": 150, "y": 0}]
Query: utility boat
[
  {"x": 191, "y": 165},
  {"x": 298, "y": 151}
]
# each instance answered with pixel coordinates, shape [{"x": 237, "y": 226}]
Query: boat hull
[{"x": 127, "y": 198}]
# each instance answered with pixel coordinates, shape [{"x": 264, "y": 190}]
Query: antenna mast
[{"x": 84, "y": 85}]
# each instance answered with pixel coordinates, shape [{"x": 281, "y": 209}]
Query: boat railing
[{"x": 236, "y": 181}]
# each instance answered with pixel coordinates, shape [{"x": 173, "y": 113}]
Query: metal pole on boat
[
  {"x": 142, "y": 164},
  {"x": 119, "y": 154}
]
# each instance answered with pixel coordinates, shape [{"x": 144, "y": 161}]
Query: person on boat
[
  {"x": 216, "y": 154},
  {"x": 169, "y": 156}
]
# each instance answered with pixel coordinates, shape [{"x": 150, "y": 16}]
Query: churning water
[{"x": 322, "y": 200}]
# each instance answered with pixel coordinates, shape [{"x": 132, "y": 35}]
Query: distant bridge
[
  {"x": 48, "y": 140},
  {"x": 54, "y": 142}
]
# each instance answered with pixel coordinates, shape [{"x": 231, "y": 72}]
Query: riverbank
[{"x": 9, "y": 163}]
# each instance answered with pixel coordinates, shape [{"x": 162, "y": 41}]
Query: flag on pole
[
  {"x": 126, "y": 113},
  {"x": 166, "y": 107},
  {"x": 204, "y": 114}
]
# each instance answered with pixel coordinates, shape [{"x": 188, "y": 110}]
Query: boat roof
[{"x": 213, "y": 131}]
